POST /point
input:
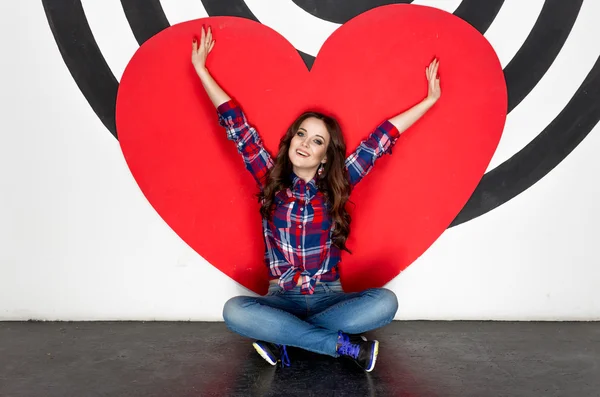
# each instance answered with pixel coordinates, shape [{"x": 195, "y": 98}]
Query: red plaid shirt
[{"x": 298, "y": 239}]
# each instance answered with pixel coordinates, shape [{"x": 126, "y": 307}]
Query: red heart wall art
[{"x": 370, "y": 69}]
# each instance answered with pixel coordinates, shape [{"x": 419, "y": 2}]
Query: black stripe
[
  {"x": 232, "y": 8},
  {"x": 480, "y": 14},
  {"x": 540, "y": 49},
  {"x": 82, "y": 56},
  {"x": 341, "y": 11},
  {"x": 238, "y": 8},
  {"x": 542, "y": 154},
  {"x": 146, "y": 18}
]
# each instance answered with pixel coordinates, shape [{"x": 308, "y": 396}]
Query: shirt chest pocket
[{"x": 283, "y": 213}]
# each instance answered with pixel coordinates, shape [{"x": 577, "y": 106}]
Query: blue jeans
[{"x": 310, "y": 322}]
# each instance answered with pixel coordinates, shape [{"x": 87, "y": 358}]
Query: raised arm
[
  {"x": 247, "y": 140},
  {"x": 409, "y": 117},
  {"x": 200, "y": 51},
  {"x": 381, "y": 141}
]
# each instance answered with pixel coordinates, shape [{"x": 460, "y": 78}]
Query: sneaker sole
[
  {"x": 375, "y": 353},
  {"x": 263, "y": 354}
]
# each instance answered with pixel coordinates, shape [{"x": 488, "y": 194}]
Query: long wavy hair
[{"x": 333, "y": 182}]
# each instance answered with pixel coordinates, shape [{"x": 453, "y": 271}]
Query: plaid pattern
[{"x": 298, "y": 241}]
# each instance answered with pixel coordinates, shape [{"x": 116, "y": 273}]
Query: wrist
[
  {"x": 429, "y": 101},
  {"x": 202, "y": 71}
]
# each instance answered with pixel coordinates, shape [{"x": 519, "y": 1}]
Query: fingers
[
  {"x": 206, "y": 41},
  {"x": 433, "y": 80},
  {"x": 432, "y": 70},
  {"x": 209, "y": 41}
]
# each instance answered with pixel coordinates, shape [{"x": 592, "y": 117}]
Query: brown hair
[{"x": 333, "y": 182}]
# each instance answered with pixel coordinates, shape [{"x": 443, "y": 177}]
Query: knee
[
  {"x": 233, "y": 310},
  {"x": 386, "y": 302}
]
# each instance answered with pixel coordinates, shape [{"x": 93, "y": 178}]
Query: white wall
[{"x": 78, "y": 240}]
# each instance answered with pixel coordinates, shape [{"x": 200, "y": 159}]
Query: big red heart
[{"x": 370, "y": 69}]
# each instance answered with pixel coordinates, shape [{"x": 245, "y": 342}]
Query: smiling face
[{"x": 308, "y": 147}]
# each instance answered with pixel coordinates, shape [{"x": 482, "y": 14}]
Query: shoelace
[
  {"x": 285, "y": 360},
  {"x": 346, "y": 348}
]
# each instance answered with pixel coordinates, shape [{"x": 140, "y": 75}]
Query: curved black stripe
[
  {"x": 146, "y": 18},
  {"x": 238, "y": 8},
  {"x": 480, "y": 14},
  {"x": 540, "y": 49},
  {"x": 542, "y": 154},
  {"x": 232, "y": 8},
  {"x": 82, "y": 56},
  {"x": 341, "y": 11}
]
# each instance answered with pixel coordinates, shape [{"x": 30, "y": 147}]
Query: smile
[{"x": 301, "y": 153}]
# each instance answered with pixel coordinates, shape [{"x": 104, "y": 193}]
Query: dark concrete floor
[{"x": 205, "y": 359}]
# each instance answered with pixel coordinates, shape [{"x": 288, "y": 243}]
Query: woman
[{"x": 303, "y": 194}]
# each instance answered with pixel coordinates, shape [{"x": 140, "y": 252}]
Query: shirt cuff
[
  {"x": 390, "y": 130},
  {"x": 229, "y": 113},
  {"x": 225, "y": 106}
]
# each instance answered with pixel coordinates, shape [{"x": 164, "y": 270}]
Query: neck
[{"x": 304, "y": 174}]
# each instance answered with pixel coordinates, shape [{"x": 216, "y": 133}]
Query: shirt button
[
  {"x": 300, "y": 226},
  {"x": 299, "y": 246},
  {"x": 301, "y": 208}
]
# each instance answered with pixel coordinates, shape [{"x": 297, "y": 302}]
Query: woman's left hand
[{"x": 433, "y": 81}]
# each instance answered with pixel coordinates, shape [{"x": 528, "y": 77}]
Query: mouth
[{"x": 302, "y": 153}]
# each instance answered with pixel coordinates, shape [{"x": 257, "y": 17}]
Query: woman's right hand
[{"x": 200, "y": 50}]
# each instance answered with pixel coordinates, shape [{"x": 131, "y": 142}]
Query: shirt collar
[{"x": 299, "y": 186}]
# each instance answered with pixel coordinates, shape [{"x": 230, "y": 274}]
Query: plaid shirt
[{"x": 298, "y": 239}]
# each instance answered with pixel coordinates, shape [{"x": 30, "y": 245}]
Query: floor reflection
[{"x": 316, "y": 375}]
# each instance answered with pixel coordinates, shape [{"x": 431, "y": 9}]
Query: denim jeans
[{"x": 310, "y": 322}]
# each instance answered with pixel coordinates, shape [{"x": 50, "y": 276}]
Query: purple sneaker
[{"x": 363, "y": 352}]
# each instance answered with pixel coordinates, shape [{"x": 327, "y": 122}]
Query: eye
[
  {"x": 300, "y": 133},
  {"x": 318, "y": 142}
]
